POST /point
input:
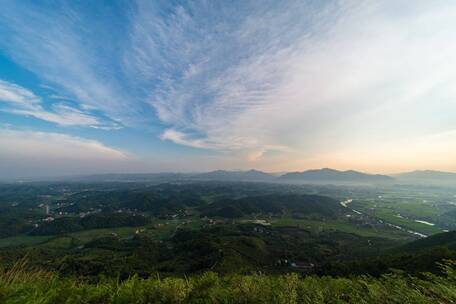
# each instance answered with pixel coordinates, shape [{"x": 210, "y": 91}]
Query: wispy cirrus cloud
[
  {"x": 17, "y": 95},
  {"x": 61, "y": 44},
  {"x": 21, "y": 101},
  {"x": 301, "y": 78}
]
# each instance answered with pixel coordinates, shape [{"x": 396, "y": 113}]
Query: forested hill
[
  {"x": 274, "y": 204},
  {"x": 327, "y": 175},
  {"x": 446, "y": 240}
]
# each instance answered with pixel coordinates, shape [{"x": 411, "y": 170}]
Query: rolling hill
[
  {"x": 274, "y": 204},
  {"x": 327, "y": 175},
  {"x": 445, "y": 239}
]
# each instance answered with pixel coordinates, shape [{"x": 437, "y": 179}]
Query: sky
[{"x": 189, "y": 86}]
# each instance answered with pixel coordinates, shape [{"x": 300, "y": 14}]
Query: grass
[
  {"x": 88, "y": 235},
  {"x": 23, "y": 240},
  {"x": 161, "y": 229},
  {"x": 17, "y": 286},
  {"x": 166, "y": 229}
]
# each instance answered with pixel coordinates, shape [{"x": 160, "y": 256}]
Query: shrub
[{"x": 19, "y": 286}]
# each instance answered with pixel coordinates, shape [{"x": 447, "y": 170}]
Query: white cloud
[
  {"x": 183, "y": 139},
  {"x": 45, "y": 145},
  {"x": 62, "y": 115},
  {"x": 17, "y": 95},
  {"x": 22, "y": 101},
  {"x": 31, "y": 153}
]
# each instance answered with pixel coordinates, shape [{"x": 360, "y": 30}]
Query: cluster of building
[{"x": 300, "y": 265}]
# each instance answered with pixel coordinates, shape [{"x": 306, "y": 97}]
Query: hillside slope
[
  {"x": 41, "y": 287},
  {"x": 445, "y": 239},
  {"x": 275, "y": 204}
]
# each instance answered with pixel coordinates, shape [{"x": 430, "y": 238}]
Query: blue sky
[{"x": 148, "y": 86}]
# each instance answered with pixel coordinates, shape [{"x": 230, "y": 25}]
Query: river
[{"x": 348, "y": 201}]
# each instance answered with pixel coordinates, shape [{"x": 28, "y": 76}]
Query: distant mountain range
[
  {"x": 427, "y": 177},
  {"x": 317, "y": 176},
  {"x": 320, "y": 176},
  {"x": 327, "y": 175}
]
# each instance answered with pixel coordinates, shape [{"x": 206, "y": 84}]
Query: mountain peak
[{"x": 328, "y": 175}]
